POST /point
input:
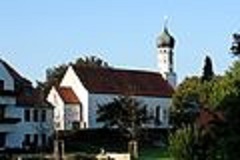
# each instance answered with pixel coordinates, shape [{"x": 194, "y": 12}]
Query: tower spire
[
  {"x": 165, "y": 22},
  {"x": 165, "y": 47}
]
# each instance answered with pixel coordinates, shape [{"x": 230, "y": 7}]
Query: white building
[
  {"x": 24, "y": 120},
  {"x": 82, "y": 89}
]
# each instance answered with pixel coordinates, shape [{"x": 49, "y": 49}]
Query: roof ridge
[{"x": 119, "y": 69}]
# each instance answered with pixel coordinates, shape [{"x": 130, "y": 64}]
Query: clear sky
[{"x": 35, "y": 35}]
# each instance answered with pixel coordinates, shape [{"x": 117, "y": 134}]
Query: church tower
[{"x": 165, "y": 46}]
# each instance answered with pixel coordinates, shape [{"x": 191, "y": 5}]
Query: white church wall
[
  {"x": 151, "y": 102},
  {"x": 70, "y": 79},
  {"x": 7, "y": 78}
]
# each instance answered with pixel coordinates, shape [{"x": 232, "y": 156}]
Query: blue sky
[{"x": 35, "y": 35}]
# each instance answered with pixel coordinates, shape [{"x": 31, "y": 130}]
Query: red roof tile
[
  {"x": 30, "y": 96},
  {"x": 118, "y": 81},
  {"x": 68, "y": 95}
]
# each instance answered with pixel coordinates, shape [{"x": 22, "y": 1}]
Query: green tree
[
  {"x": 208, "y": 73},
  {"x": 128, "y": 115},
  {"x": 181, "y": 143},
  {"x": 192, "y": 142},
  {"x": 230, "y": 106},
  {"x": 189, "y": 96},
  {"x": 91, "y": 61}
]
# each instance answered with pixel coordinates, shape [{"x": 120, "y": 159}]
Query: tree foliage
[
  {"x": 221, "y": 94},
  {"x": 192, "y": 143},
  {"x": 128, "y": 115},
  {"x": 189, "y": 97},
  {"x": 181, "y": 143},
  {"x": 125, "y": 113},
  {"x": 230, "y": 105}
]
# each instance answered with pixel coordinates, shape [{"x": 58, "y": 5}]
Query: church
[{"x": 82, "y": 89}]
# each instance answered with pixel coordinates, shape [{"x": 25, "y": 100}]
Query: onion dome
[{"x": 165, "y": 39}]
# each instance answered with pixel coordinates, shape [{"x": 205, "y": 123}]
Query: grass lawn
[{"x": 154, "y": 154}]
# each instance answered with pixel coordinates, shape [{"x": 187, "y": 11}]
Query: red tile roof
[
  {"x": 119, "y": 81},
  {"x": 68, "y": 95},
  {"x": 33, "y": 97},
  {"x": 206, "y": 117}
]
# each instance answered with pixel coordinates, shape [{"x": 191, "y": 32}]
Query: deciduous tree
[{"x": 128, "y": 115}]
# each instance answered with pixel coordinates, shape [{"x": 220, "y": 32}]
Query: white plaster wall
[
  {"x": 7, "y": 78},
  {"x": 151, "y": 102},
  {"x": 15, "y": 138},
  {"x": 70, "y": 79},
  {"x": 58, "y": 111},
  {"x": 7, "y": 100},
  {"x": 72, "y": 114}
]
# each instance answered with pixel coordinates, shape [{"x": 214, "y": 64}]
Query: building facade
[
  {"x": 25, "y": 121},
  {"x": 82, "y": 89}
]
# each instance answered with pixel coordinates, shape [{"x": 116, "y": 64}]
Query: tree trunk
[{"x": 133, "y": 149}]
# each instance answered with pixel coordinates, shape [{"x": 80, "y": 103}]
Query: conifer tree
[{"x": 207, "y": 70}]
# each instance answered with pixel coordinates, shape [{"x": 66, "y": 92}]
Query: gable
[
  {"x": 6, "y": 78},
  {"x": 15, "y": 75}
]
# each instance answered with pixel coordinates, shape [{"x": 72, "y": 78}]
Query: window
[
  {"x": 165, "y": 114},
  {"x": 75, "y": 125},
  {"x": 2, "y": 140},
  {"x": 1, "y": 85},
  {"x": 157, "y": 116},
  {"x": 27, "y": 115},
  {"x": 43, "y": 115},
  {"x": 35, "y": 139},
  {"x": 35, "y": 115},
  {"x": 80, "y": 113},
  {"x": 44, "y": 139},
  {"x": 27, "y": 139},
  {"x": 2, "y": 111}
]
